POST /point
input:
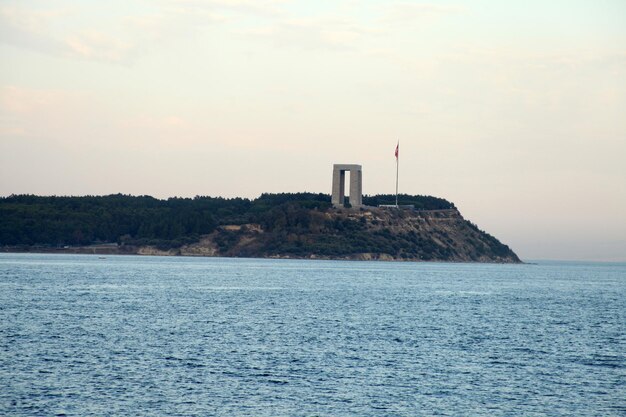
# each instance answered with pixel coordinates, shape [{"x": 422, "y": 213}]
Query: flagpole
[{"x": 397, "y": 169}]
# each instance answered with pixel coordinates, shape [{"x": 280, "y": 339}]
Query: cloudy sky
[{"x": 513, "y": 110}]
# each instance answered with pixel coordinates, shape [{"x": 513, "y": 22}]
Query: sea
[{"x": 84, "y": 335}]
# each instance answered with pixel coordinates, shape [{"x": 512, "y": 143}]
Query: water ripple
[{"x": 82, "y": 336}]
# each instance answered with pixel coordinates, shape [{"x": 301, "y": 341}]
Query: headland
[{"x": 289, "y": 225}]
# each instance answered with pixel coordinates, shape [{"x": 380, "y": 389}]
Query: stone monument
[{"x": 356, "y": 185}]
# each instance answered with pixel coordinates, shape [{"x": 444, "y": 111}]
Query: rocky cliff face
[{"x": 359, "y": 234}]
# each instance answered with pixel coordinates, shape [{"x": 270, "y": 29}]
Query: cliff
[{"x": 358, "y": 234}]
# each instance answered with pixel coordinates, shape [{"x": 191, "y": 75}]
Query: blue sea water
[{"x": 162, "y": 336}]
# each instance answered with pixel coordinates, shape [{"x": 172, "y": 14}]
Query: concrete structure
[{"x": 356, "y": 185}]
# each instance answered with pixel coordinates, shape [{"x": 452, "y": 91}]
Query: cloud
[
  {"x": 23, "y": 101},
  {"x": 347, "y": 30},
  {"x": 35, "y": 30},
  {"x": 100, "y": 47},
  {"x": 120, "y": 40},
  {"x": 75, "y": 118},
  {"x": 404, "y": 12},
  {"x": 169, "y": 131},
  {"x": 29, "y": 29},
  {"x": 170, "y": 22},
  {"x": 117, "y": 40},
  {"x": 312, "y": 33},
  {"x": 29, "y": 112},
  {"x": 255, "y": 7}
]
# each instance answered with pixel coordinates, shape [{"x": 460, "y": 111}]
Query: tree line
[{"x": 58, "y": 221}]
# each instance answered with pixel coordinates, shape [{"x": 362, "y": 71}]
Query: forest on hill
[{"x": 56, "y": 221}]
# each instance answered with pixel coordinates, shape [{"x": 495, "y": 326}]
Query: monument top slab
[{"x": 347, "y": 167}]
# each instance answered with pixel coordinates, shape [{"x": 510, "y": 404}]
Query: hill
[{"x": 298, "y": 225}]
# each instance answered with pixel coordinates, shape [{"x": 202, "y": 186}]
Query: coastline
[{"x": 109, "y": 249}]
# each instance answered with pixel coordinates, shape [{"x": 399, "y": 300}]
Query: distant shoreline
[{"x": 88, "y": 250}]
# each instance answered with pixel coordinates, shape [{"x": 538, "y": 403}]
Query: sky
[{"x": 513, "y": 110}]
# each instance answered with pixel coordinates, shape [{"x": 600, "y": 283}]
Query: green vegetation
[
  {"x": 421, "y": 202},
  {"x": 59, "y": 221},
  {"x": 291, "y": 224}
]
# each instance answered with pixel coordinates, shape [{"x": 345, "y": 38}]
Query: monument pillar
[
  {"x": 339, "y": 178},
  {"x": 356, "y": 188},
  {"x": 356, "y": 185}
]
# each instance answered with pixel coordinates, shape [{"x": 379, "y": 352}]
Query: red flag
[{"x": 397, "y": 149}]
